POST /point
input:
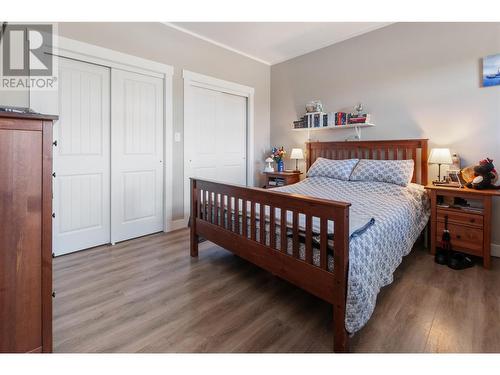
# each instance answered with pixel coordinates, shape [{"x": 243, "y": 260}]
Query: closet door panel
[
  {"x": 82, "y": 157},
  {"x": 232, "y": 129},
  {"x": 137, "y": 155},
  {"x": 215, "y": 137}
]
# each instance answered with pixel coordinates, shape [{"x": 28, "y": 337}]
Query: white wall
[
  {"x": 417, "y": 80},
  {"x": 158, "y": 42}
]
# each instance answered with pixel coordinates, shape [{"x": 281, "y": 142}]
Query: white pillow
[
  {"x": 397, "y": 172},
  {"x": 339, "y": 169}
]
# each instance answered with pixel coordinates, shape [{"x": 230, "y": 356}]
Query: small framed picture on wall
[{"x": 491, "y": 70}]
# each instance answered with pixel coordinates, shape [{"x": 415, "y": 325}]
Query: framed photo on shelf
[{"x": 454, "y": 176}]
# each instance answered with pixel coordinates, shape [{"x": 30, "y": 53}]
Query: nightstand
[
  {"x": 277, "y": 179},
  {"x": 470, "y": 229}
]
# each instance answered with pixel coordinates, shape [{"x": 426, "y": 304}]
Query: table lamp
[
  {"x": 440, "y": 156},
  {"x": 297, "y": 154},
  {"x": 269, "y": 167}
]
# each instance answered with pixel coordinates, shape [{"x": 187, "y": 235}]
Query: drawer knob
[
  {"x": 458, "y": 236},
  {"x": 472, "y": 220}
]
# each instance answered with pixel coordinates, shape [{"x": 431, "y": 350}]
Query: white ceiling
[{"x": 275, "y": 42}]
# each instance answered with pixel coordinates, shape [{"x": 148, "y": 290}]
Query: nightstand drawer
[
  {"x": 456, "y": 217},
  {"x": 464, "y": 238}
]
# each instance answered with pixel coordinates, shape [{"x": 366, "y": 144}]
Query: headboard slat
[{"x": 381, "y": 150}]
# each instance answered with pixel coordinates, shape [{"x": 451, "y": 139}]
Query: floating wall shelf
[{"x": 336, "y": 127}]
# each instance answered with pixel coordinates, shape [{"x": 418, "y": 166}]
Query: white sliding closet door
[
  {"x": 82, "y": 158},
  {"x": 216, "y": 135},
  {"x": 136, "y": 155}
]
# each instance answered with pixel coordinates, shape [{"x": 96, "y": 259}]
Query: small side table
[
  {"x": 277, "y": 179},
  {"x": 470, "y": 230}
]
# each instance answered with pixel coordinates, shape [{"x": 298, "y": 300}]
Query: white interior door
[
  {"x": 136, "y": 155},
  {"x": 215, "y": 130},
  {"x": 82, "y": 158}
]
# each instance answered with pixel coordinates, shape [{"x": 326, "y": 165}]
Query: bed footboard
[{"x": 244, "y": 220}]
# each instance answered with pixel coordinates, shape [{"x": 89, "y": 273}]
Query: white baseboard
[
  {"x": 495, "y": 250},
  {"x": 176, "y": 224}
]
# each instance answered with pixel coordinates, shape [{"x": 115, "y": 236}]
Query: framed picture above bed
[{"x": 491, "y": 70}]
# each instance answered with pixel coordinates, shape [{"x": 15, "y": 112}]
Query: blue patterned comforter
[{"x": 400, "y": 214}]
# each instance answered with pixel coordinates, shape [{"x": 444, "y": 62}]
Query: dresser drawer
[
  {"x": 463, "y": 238},
  {"x": 456, "y": 217}
]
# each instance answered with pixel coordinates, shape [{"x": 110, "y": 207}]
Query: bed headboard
[{"x": 415, "y": 149}]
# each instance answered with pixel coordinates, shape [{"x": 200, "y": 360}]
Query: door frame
[
  {"x": 89, "y": 53},
  {"x": 200, "y": 80}
]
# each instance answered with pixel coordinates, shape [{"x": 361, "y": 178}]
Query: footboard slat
[
  {"x": 198, "y": 200},
  {"x": 219, "y": 210},
  {"x": 295, "y": 241},
  {"x": 323, "y": 253},
  {"x": 210, "y": 207},
  {"x": 309, "y": 252},
  {"x": 236, "y": 209},
  {"x": 216, "y": 208},
  {"x": 252, "y": 221},
  {"x": 244, "y": 222},
  {"x": 272, "y": 227},
  {"x": 283, "y": 230},
  {"x": 262, "y": 224},
  {"x": 229, "y": 223}
]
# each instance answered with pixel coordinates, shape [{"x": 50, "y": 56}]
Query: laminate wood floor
[{"x": 148, "y": 295}]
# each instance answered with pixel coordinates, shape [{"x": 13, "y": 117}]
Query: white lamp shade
[
  {"x": 440, "y": 156},
  {"x": 297, "y": 154},
  {"x": 269, "y": 160}
]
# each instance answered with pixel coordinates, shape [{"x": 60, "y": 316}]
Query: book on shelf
[
  {"x": 355, "y": 118},
  {"x": 331, "y": 119},
  {"x": 300, "y": 124},
  {"x": 317, "y": 122},
  {"x": 340, "y": 118}
]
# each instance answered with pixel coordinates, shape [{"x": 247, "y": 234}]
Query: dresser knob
[
  {"x": 458, "y": 236},
  {"x": 472, "y": 220}
]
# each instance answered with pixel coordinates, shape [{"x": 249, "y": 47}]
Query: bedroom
[{"x": 161, "y": 136}]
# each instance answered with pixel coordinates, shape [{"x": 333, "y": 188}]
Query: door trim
[
  {"x": 89, "y": 53},
  {"x": 216, "y": 84}
]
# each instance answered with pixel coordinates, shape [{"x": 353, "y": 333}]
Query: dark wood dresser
[{"x": 25, "y": 233}]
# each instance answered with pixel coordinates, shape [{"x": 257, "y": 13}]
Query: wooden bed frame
[{"x": 211, "y": 200}]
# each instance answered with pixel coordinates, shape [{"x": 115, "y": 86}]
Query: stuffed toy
[{"x": 485, "y": 176}]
